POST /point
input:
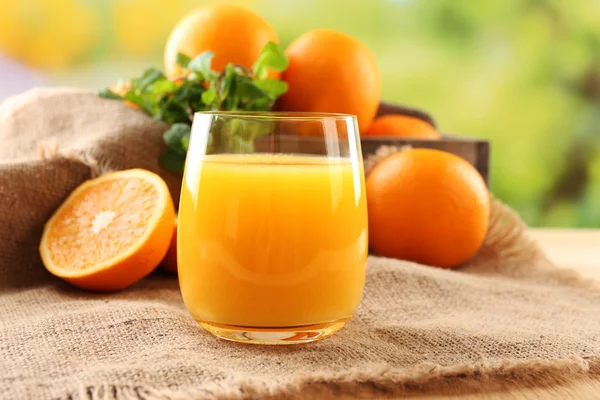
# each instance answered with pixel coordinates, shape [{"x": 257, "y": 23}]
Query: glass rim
[{"x": 278, "y": 115}]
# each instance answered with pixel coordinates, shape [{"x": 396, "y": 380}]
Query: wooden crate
[{"x": 475, "y": 151}]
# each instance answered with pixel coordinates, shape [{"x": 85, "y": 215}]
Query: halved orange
[{"x": 110, "y": 232}]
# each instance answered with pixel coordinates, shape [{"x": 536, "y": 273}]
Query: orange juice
[{"x": 272, "y": 240}]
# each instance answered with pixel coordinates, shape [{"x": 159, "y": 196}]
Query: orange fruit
[
  {"x": 402, "y": 126},
  {"x": 330, "y": 71},
  {"x": 232, "y": 32},
  {"x": 121, "y": 88},
  {"x": 110, "y": 232},
  {"x": 427, "y": 206},
  {"x": 170, "y": 260}
]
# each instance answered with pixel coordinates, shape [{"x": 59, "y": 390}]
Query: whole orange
[
  {"x": 232, "y": 32},
  {"x": 427, "y": 206},
  {"x": 402, "y": 126},
  {"x": 330, "y": 71}
]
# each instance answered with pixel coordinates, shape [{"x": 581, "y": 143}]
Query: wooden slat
[{"x": 476, "y": 151}]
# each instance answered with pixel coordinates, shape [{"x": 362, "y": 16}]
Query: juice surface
[{"x": 272, "y": 240}]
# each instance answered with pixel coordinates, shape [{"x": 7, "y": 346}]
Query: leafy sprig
[{"x": 200, "y": 88}]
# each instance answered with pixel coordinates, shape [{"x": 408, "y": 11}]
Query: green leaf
[
  {"x": 227, "y": 80},
  {"x": 175, "y": 135},
  {"x": 149, "y": 76},
  {"x": 172, "y": 111},
  {"x": 201, "y": 64},
  {"x": 209, "y": 96},
  {"x": 190, "y": 96},
  {"x": 227, "y": 88},
  {"x": 245, "y": 88},
  {"x": 163, "y": 86},
  {"x": 138, "y": 100},
  {"x": 271, "y": 57},
  {"x": 172, "y": 160},
  {"x": 274, "y": 87},
  {"x": 193, "y": 76},
  {"x": 183, "y": 60},
  {"x": 185, "y": 141},
  {"x": 109, "y": 94},
  {"x": 189, "y": 90}
]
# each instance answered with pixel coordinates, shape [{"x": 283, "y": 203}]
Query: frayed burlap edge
[{"x": 376, "y": 380}]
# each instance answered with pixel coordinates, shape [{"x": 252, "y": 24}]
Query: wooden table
[
  {"x": 567, "y": 248},
  {"x": 570, "y": 248}
]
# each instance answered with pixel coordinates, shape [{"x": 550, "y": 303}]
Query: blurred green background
[{"x": 524, "y": 74}]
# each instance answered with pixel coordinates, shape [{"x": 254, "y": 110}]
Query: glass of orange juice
[{"x": 272, "y": 232}]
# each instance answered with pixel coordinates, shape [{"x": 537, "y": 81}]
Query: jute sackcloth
[{"x": 507, "y": 314}]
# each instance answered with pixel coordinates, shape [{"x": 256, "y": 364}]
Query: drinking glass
[{"x": 272, "y": 232}]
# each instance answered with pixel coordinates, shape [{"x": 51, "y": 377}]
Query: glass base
[{"x": 274, "y": 336}]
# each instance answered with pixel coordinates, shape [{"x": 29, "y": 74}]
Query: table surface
[{"x": 568, "y": 248}]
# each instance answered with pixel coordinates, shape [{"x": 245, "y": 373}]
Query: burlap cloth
[{"x": 508, "y": 314}]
